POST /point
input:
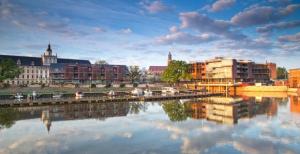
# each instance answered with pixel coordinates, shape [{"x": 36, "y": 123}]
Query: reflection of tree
[
  {"x": 177, "y": 111},
  {"x": 7, "y": 117},
  {"x": 136, "y": 107}
]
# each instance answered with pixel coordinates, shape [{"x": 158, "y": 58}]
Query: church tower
[
  {"x": 169, "y": 58},
  {"x": 48, "y": 57}
]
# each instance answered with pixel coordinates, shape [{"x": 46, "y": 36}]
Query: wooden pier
[{"x": 40, "y": 102}]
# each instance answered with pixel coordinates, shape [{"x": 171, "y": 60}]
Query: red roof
[{"x": 157, "y": 68}]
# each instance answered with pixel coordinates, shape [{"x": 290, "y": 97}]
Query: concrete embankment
[{"x": 262, "y": 89}]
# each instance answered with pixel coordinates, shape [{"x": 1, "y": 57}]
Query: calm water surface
[{"x": 243, "y": 125}]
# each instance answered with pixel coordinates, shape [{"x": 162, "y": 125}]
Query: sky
[{"x": 142, "y": 32}]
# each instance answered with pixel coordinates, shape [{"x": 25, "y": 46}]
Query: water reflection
[
  {"x": 221, "y": 109},
  {"x": 256, "y": 125}
]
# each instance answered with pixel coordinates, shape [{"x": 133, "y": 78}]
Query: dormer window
[{"x": 32, "y": 63}]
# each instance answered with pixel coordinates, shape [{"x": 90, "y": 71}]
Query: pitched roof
[
  {"x": 25, "y": 61},
  {"x": 72, "y": 61},
  {"x": 37, "y": 61},
  {"x": 157, "y": 68}
]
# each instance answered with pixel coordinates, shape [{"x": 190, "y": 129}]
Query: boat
[
  {"x": 169, "y": 90},
  {"x": 57, "y": 96},
  {"x": 137, "y": 92},
  {"x": 79, "y": 94},
  {"x": 18, "y": 96},
  {"x": 34, "y": 94},
  {"x": 147, "y": 92},
  {"x": 111, "y": 93}
]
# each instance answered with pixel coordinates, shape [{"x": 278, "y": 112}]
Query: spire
[
  {"x": 169, "y": 57},
  {"x": 49, "y": 47}
]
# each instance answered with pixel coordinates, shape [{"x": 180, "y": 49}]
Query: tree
[
  {"x": 8, "y": 117},
  {"x": 177, "y": 111},
  {"x": 134, "y": 73},
  {"x": 101, "y": 62},
  {"x": 8, "y": 69},
  {"x": 281, "y": 73},
  {"x": 176, "y": 71}
]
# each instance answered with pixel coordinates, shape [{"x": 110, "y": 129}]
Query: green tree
[
  {"x": 176, "y": 71},
  {"x": 8, "y": 70},
  {"x": 8, "y": 117},
  {"x": 134, "y": 73},
  {"x": 282, "y": 73},
  {"x": 177, "y": 111}
]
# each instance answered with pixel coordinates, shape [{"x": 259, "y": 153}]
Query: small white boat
[
  {"x": 169, "y": 90},
  {"x": 111, "y": 93},
  {"x": 137, "y": 92},
  {"x": 56, "y": 96},
  {"x": 147, "y": 92},
  {"x": 79, "y": 94},
  {"x": 34, "y": 94},
  {"x": 18, "y": 96}
]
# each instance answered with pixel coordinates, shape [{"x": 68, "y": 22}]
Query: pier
[{"x": 74, "y": 100}]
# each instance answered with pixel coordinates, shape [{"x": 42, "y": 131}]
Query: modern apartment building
[
  {"x": 87, "y": 73},
  {"x": 222, "y": 69},
  {"x": 106, "y": 73}
]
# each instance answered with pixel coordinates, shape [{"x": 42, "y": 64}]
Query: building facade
[
  {"x": 36, "y": 70},
  {"x": 87, "y": 73},
  {"x": 222, "y": 69},
  {"x": 294, "y": 78},
  {"x": 106, "y": 73}
]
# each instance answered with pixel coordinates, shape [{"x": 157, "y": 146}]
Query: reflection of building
[
  {"x": 295, "y": 104},
  {"x": 46, "y": 119},
  {"x": 229, "y": 110},
  {"x": 49, "y": 114},
  {"x": 294, "y": 78},
  {"x": 222, "y": 69}
]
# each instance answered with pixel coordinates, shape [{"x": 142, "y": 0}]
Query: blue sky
[{"x": 142, "y": 32}]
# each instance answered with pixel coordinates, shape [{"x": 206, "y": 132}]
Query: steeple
[
  {"x": 169, "y": 57},
  {"x": 49, "y": 50}
]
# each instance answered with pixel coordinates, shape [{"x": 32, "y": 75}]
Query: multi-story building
[
  {"x": 222, "y": 69},
  {"x": 87, "y": 73},
  {"x": 36, "y": 69},
  {"x": 197, "y": 70},
  {"x": 294, "y": 78},
  {"x": 273, "y": 70},
  {"x": 70, "y": 73},
  {"x": 105, "y": 73},
  {"x": 261, "y": 73}
]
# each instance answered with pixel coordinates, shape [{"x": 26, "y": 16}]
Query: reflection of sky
[{"x": 151, "y": 132}]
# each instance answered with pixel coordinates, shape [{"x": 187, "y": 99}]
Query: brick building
[
  {"x": 87, "y": 73},
  {"x": 294, "y": 78}
]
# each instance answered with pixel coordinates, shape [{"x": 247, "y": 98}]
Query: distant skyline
[{"x": 142, "y": 32}]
